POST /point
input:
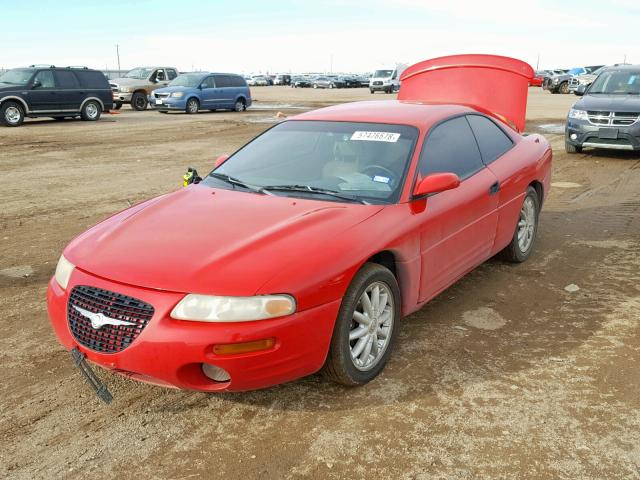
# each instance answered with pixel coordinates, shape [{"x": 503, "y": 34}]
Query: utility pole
[
  {"x": 118, "y": 55},
  {"x": 538, "y": 63},
  {"x": 625, "y": 58},
  {"x": 331, "y": 64}
]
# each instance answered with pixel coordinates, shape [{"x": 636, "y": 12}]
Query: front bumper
[
  {"x": 168, "y": 103},
  {"x": 589, "y": 135},
  {"x": 121, "y": 97},
  {"x": 171, "y": 352},
  {"x": 381, "y": 88}
]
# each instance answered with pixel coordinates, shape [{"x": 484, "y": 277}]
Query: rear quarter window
[
  {"x": 237, "y": 81},
  {"x": 66, "y": 79},
  {"x": 92, "y": 79},
  {"x": 492, "y": 141}
]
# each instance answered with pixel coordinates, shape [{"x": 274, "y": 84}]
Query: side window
[
  {"x": 92, "y": 79},
  {"x": 451, "y": 147},
  {"x": 493, "y": 142},
  {"x": 223, "y": 81},
  {"x": 172, "y": 74},
  {"x": 66, "y": 79},
  {"x": 160, "y": 75},
  {"x": 395, "y": 75},
  {"x": 238, "y": 81},
  {"x": 45, "y": 78},
  {"x": 209, "y": 82}
]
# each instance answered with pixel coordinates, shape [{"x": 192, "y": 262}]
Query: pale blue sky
[{"x": 286, "y": 35}]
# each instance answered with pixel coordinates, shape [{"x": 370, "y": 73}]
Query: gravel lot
[{"x": 504, "y": 375}]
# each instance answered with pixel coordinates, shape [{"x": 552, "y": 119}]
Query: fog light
[
  {"x": 246, "y": 347},
  {"x": 216, "y": 374},
  {"x": 574, "y": 136}
]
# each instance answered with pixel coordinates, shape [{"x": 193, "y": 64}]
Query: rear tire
[
  {"x": 117, "y": 105},
  {"x": 11, "y": 114},
  {"x": 91, "y": 111},
  {"x": 571, "y": 149},
  {"x": 526, "y": 231},
  {"x": 240, "y": 105},
  {"x": 363, "y": 336},
  {"x": 139, "y": 101}
]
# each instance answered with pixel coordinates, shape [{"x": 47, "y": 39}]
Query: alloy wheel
[
  {"x": 526, "y": 224},
  {"x": 371, "y": 326}
]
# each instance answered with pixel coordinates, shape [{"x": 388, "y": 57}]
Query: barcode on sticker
[{"x": 376, "y": 136}]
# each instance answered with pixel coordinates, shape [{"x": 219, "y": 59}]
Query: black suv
[
  {"x": 608, "y": 114},
  {"x": 47, "y": 91}
]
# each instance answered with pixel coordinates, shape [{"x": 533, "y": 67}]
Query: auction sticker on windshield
[{"x": 375, "y": 136}]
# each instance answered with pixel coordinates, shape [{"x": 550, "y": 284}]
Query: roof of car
[
  {"x": 623, "y": 67},
  {"x": 422, "y": 115}
]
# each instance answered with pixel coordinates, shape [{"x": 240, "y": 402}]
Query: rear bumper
[{"x": 171, "y": 352}]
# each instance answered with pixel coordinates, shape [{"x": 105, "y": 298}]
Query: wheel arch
[
  {"x": 92, "y": 98},
  {"x": 20, "y": 100},
  {"x": 539, "y": 188}
]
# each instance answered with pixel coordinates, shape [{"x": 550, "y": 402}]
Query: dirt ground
[{"x": 504, "y": 375}]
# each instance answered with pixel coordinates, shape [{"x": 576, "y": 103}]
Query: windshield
[
  {"x": 186, "y": 80},
  {"x": 363, "y": 161},
  {"x": 382, "y": 73},
  {"x": 621, "y": 82},
  {"x": 139, "y": 73},
  {"x": 16, "y": 77}
]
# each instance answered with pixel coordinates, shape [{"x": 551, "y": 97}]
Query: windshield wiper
[
  {"x": 236, "y": 181},
  {"x": 310, "y": 189}
]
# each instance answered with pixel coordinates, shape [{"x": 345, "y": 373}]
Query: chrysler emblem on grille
[{"x": 99, "y": 320}]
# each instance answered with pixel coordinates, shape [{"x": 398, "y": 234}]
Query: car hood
[
  {"x": 128, "y": 82},
  {"x": 174, "y": 89},
  {"x": 211, "y": 241},
  {"x": 616, "y": 103},
  {"x": 7, "y": 87}
]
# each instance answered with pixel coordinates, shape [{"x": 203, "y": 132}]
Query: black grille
[{"x": 108, "y": 338}]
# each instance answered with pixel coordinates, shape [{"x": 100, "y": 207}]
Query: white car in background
[
  {"x": 257, "y": 81},
  {"x": 386, "y": 79}
]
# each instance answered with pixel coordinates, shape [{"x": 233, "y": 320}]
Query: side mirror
[
  {"x": 201, "y": 86},
  {"x": 580, "y": 90},
  {"x": 36, "y": 84},
  {"x": 435, "y": 183},
  {"x": 220, "y": 160}
]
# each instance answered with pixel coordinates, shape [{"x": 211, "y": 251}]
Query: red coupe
[{"x": 302, "y": 250}]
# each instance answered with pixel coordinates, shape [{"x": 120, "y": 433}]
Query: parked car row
[
  {"x": 560, "y": 81},
  {"x": 70, "y": 92}
]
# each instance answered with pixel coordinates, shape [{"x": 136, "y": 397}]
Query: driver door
[
  {"x": 459, "y": 225},
  {"x": 43, "y": 96}
]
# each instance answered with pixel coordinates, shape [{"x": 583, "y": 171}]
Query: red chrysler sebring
[{"x": 305, "y": 247}]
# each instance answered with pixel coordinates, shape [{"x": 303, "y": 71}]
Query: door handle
[{"x": 495, "y": 188}]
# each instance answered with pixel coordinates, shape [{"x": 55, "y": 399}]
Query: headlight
[
  {"x": 207, "y": 308},
  {"x": 177, "y": 94},
  {"x": 555, "y": 80},
  {"x": 125, "y": 89},
  {"x": 578, "y": 114},
  {"x": 63, "y": 272}
]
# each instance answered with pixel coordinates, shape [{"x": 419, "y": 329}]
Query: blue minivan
[{"x": 192, "y": 92}]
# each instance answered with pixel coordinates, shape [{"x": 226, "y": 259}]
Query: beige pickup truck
[{"x": 137, "y": 84}]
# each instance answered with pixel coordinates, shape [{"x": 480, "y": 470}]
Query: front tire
[
  {"x": 11, "y": 114},
  {"x": 139, "y": 101},
  {"x": 524, "y": 236},
  {"x": 91, "y": 111},
  {"x": 117, "y": 105},
  {"x": 564, "y": 87},
  {"x": 365, "y": 328},
  {"x": 571, "y": 149},
  {"x": 192, "y": 106}
]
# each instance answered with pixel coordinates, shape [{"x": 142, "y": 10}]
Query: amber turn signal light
[{"x": 246, "y": 347}]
